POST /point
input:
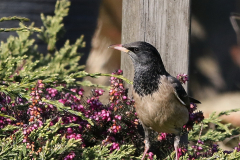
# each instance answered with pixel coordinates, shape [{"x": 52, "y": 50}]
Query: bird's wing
[{"x": 179, "y": 91}]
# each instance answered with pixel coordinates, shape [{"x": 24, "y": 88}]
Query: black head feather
[
  {"x": 148, "y": 67},
  {"x": 144, "y": 54}
]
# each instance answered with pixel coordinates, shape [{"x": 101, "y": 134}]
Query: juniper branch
[{"x": 14, "y": 18}]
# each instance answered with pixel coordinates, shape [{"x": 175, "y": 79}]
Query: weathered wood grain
[{"x": 163, "y": 23}]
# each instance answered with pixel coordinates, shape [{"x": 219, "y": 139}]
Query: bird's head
[{"x": 141, "y": 53}]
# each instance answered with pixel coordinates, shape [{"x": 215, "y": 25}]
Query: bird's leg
[
  {"x": 176, "y": 143},
  {"x": 146, "y": 141}
]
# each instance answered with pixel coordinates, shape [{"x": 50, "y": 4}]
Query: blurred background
[{"x": 214, "y": 69}]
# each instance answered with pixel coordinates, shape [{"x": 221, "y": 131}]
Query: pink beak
[{"x": 119, "y": 47}]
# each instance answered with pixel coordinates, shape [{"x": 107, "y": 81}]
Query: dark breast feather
[{"x": 146, "y": 82}]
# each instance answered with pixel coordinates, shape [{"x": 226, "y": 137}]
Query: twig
[
  {"x": 230, "y": 138},
  {"x": 200, "y": 133},
  {"x": 24, "y": 29},
  {"x": 14, "y": 18}
]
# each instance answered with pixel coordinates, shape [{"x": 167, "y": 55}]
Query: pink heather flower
[
  {"x": 200, "y": 142},
  {"x": 150, "y": 155},
  {"x": 80, "y": 127},
  {"x": 74, "y": 118},
  {"x": 70, "y": 156},
  {"x": 70, "y": 136},
  {"x": 118, "y": 117},
  {"x": 69, "y": 130},
  {"x": 3, "y": 109},
  {"x": 40, "y": 123},
  {"x": 162, "y": 137},
  {"x": 199, "y": 148},
  {"x": 35, "y": 126},
  {"x": 119, "y": 72},
  {"x": 193, "y": 106},
  {"x": 41, "y": 85},
  {"x": 100, "y": 91},
  {"x": 73, "y": 90},
  {"x": 103, "y": 111},
  {"x": 182, "y": 78},
  {"x": 88, "y": 101},
  {"x": 114, "y": 146},
  {"x": 78, "y": 136},
  {"x": 181, "y": 152},
  {"x": 24, "y": 132},
  {"x": 51, "y": 106},
  {"x": 40, "y": 91},
  {"x": 88, "y": 126},
  {"x": 114, "y": 129}
]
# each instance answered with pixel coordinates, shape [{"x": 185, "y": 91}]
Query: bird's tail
[{"x": 193, "y": 100}]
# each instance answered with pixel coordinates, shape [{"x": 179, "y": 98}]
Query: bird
[{"x": 161, "y": 102}]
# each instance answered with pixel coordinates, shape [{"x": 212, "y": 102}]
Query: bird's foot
[
  {"x": 147, "y": 146},
  {"x": 176, "y": 143},
  {"x": 145, "y": 152},
  {"x": 176, "y": 150}
]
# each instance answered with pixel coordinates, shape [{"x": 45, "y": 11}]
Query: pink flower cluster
[
  {"x": 115, "y": 123},
  {"x": 94, "y": 102},
  {"x": 114, "y": 146},
  {"x": 162, "y": 136},
  {"x": 4, "y": 102},
  {"x": 115, "y": 128},
  {"x": 118, "y": 93},
  {"x": 194, "y": 117},
  {"x": 200, "y": 151},
  {"x": 183, "y": 78},
  {"x": 150, "y": 155},
  {"x": 51, "y": 93},
  {"x": 71, "y": 134},
  {"x": 4, "y": 122},
  {"x": 70, "y": 156}
]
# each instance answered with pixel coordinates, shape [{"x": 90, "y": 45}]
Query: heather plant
[{"x": 45, "y": 113}]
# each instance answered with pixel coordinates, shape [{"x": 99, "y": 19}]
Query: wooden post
[{"x": 163, "y": 23}]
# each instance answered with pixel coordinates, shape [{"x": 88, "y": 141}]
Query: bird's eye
[{"x": 136, "y": 49}]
